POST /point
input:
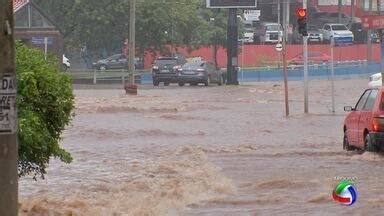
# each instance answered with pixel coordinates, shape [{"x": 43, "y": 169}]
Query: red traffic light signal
[{"x": 301, "y": 13}]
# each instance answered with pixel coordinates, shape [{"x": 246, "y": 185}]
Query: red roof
[{"x": 17, "y": 4}]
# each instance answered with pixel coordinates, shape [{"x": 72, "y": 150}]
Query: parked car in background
[
  {"x": 268, "y": 33},
  {"x": 360, "y": 34},
  {"x": 65, "y": 64},
  {"x": 117, "y": 61},
  {"x": 139, "y": 63},
  {"x": 165, "y": 70},
  {"x": 375, "y": 37},
  {"x": 314, "y": 57},
  {"x": 364, "y": 125},
  {"x": 196, "y": 72},
  {"x": 339, "y": 32},
  {"x": 314, "y": 35},
  {"x": 375, "y": 80},
  {"x": 247, "y": 37}
]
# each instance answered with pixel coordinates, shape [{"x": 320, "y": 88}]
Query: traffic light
[{"x": 301, "y": 14}]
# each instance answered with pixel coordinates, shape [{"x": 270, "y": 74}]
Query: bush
[{"x": 45, "y": 102}]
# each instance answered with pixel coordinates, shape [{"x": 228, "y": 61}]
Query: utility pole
[
  {"x": 305, "y": 56},
  {"x": 278, "y": 12},
  {"x": 8, "y": 119},
  {"x": 232, "y": 45},
  {"x": 131, "y": 87},
  {"x": 279, "y": 24},
  {"x": 287, "y": 17},
  {"x": 352, "y": 10},
  {"x": 339, "y": 3},
  {"x": 369, "y": 33},
  {"x": 333, "y": 74},
  {"x": 285, "y": 71},
  {"x": 381, "y": 42}
]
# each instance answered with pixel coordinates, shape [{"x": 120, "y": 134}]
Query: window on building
[
  {"x": 21, "y": 18},
  {"x": 38, "y": 20},
  {"x": 365, "y": 5}
]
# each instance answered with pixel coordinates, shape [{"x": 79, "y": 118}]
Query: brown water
[{"x": 207, "y": 151}]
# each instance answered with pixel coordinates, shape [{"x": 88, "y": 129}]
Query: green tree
[
  {"x": 103, "y": 25},
  {"x": 45, "y": 102}
]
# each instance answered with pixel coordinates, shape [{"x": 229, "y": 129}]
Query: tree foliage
[
  {"x": 45, "y": 102},
  {"x": 103, "y": 25}
]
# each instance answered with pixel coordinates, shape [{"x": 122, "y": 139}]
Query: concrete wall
[{"x": 262, "y": 55}]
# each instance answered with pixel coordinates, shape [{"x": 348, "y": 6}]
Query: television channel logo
[{"x": 345, "y": 193}]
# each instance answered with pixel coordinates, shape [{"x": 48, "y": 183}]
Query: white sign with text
[{"x": 7, "y": 104}]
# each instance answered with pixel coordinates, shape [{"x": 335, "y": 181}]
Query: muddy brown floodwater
[{"x": 207, "y": 151}]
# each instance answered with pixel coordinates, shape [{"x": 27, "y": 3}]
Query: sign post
[
  {"x": 8, "y": 141},
  {"x": 332, "y": 75},
  {"x": 305, "y": 56},
  {"x": 45, "y": 47}
]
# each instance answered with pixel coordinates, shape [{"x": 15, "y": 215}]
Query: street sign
[
  {"x": 231, "y": 3},
  {"x": 7, "y": 104},
  {"x": 279, "y": 47},
  {"x": 252, "y": 15},
  {"x": 373, "y": 22},
  {"x": 41, "y": 40}
]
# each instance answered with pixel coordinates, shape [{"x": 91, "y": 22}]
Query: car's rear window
[
  {"x": 272, "y": 28},
  {"x": 371, "y": 100},
  {"x": 382, "y": 102},
  {"x": 166, "y": 61},
  {"x": 193, "y": 65},
  {"x": 339, "y": 27}
]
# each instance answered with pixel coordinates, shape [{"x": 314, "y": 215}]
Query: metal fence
[
  {"x": 342, "y": 69},
  {"x": 86, "y": 76}
]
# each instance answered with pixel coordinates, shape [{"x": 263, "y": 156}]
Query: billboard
[{"x": 231, "y": 3}]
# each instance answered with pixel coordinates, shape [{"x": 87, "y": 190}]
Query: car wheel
[
  {"x": 346, "y": 145},
  {"x": 208, "y": 81},
  {"x": 221, "y": 81},
  {"x": 368, "y": 144},
  {"x": 155, "y": 83},
  {"x": 103, "y": 67},
  {"x": 181, "y": 84},
  {"x": 166, "y": 83}
]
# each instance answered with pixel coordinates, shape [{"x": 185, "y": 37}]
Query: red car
[
  {"x": 364, "y": 125},
  {"x": 313, "y": 58}
]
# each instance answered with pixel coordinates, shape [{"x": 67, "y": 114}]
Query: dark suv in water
[{"x": 165, "y": 70}]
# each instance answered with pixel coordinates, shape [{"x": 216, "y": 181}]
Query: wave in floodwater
[
  {"x": 369, "y": 156},
  {"x": 157, "y": 188}
]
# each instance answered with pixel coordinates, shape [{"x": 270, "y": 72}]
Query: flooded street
[{"x": 207, "y": 151}]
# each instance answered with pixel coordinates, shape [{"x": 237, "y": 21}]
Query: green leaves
[
  {"x": 103, "y": 25},
  {"x": 45, "y": 102}
]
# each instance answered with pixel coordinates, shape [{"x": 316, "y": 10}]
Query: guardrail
[{"x": 94, "y": 76}]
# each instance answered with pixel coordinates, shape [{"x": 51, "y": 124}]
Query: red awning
[{"x": 17, "y": 4}]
